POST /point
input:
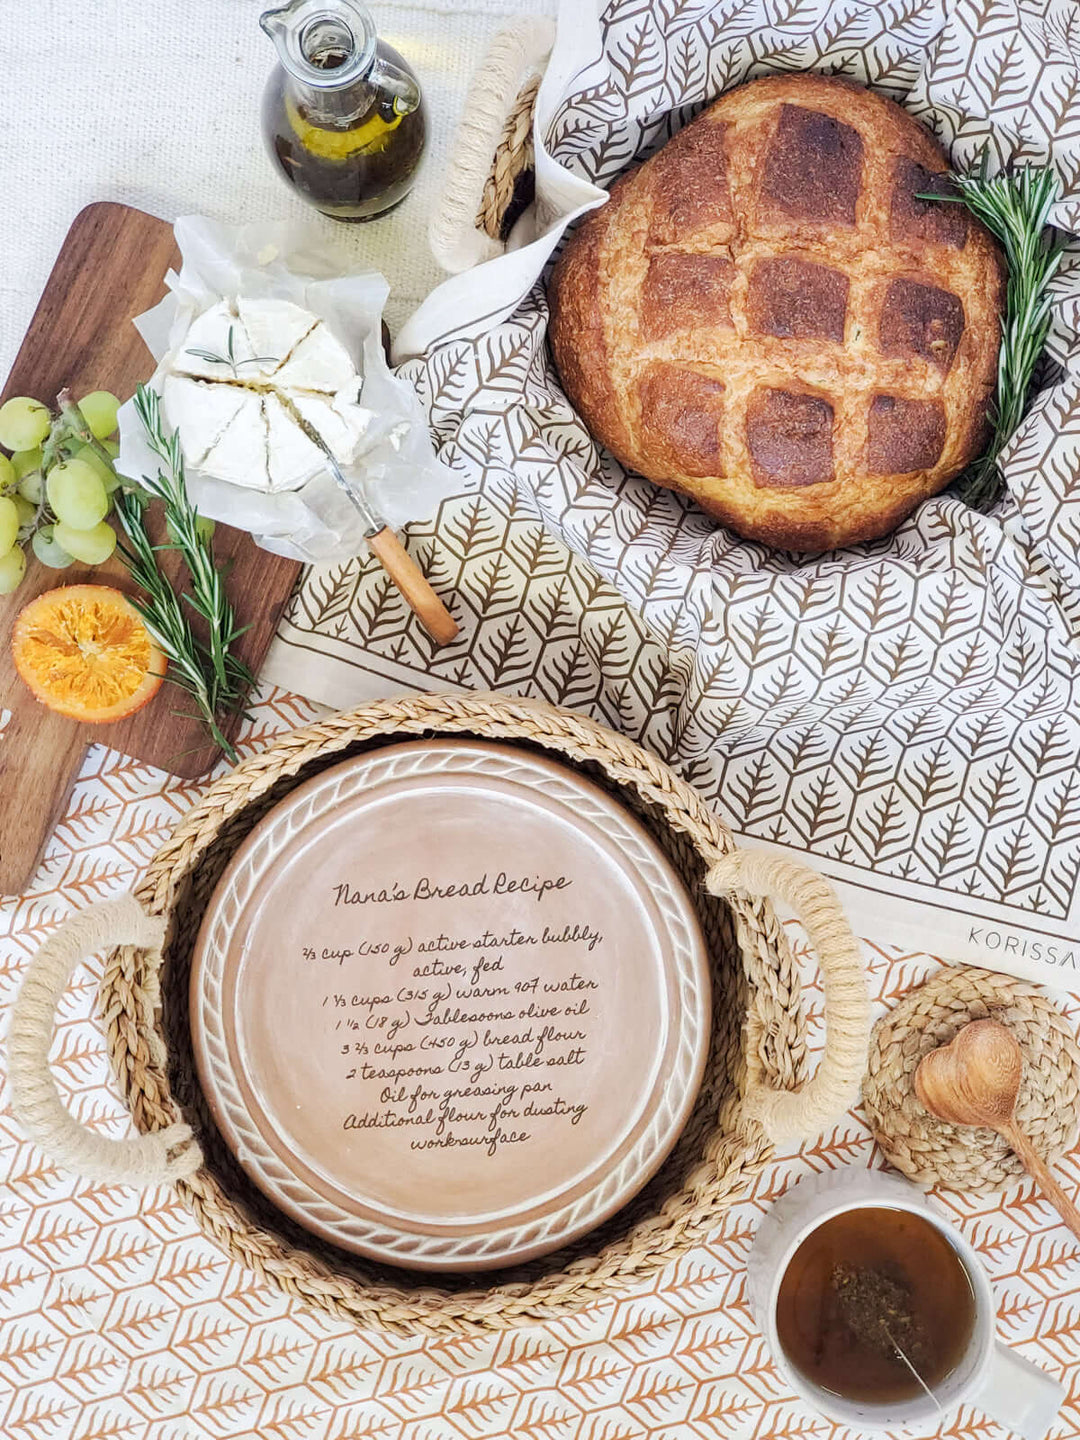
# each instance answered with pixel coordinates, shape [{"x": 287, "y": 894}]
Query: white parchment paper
[{"x": 397, "y": 469}]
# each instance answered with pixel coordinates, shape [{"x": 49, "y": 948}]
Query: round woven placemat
[
  {"x": 756, "y": 1085},
  {"x": 932, "y": 1152}
]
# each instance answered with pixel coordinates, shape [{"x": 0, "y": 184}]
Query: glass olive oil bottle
[{"x": 343, "y": 115}]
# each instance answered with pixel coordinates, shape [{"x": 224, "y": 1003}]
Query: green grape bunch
[{"x": 57, "y": 484}]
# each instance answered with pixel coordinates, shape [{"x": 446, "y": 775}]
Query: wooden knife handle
[{"x": 414, "y": 585}]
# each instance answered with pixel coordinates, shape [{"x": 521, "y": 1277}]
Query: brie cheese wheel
[
  {"x": 240, "y": 456},
  {"x": 292, "y": 458},
  {"x": 216, "y": 347},
  {"x": 236, "y": 385},
  {"x": 200, "y": 411},
  {"x": 274, "y": 329},
  {"x": 319, "y": 363}
]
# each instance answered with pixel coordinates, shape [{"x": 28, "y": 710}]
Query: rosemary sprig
[
  {"x": 230, "y": 359},
  {"x": 165, "y": 617},
  {"x": 216, "y": 679},
  {"x": 1014, "y": 206},
  {"x": 60, "y": 441},
  {"x": 208, "y": 596}
]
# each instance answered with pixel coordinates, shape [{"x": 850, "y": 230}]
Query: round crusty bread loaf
[{"x": 766, "y": 317}]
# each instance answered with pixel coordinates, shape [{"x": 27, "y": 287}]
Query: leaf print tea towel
[{"x": 905, "y": 715}]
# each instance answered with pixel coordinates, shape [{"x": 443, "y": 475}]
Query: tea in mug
[{"x": 874, "y": 1305}]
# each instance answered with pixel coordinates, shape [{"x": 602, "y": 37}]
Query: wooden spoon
[{"x": 974, "y": 1080}]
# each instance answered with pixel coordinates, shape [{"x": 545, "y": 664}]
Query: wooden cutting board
[{"x": 111, "y": 268}]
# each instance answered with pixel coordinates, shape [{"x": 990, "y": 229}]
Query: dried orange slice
[{"x": 85, "y": 652}]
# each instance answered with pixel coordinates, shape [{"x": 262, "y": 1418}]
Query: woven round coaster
[{"x": 932, "y": 1152}]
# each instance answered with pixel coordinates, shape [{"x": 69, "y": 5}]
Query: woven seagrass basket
[{"x": 756, "y": 1087}]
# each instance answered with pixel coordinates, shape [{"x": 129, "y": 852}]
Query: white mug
[{"x": 1012, "y": 1391}]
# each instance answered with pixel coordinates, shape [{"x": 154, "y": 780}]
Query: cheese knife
[{"x": 395, "y": 559}]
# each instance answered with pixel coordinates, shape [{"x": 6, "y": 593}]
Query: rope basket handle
[
  {"x": 803, "y": 1114},
  {"x": 142, "y": 1160},
  {"x": 492, "y": 147}
]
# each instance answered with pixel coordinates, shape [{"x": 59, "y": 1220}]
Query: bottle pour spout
[
  {"x": 322, "y": 43},
  {"x": 276, "y": 26}
]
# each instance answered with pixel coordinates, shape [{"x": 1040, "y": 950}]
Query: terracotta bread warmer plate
[{"x": 713, "y": 1137}]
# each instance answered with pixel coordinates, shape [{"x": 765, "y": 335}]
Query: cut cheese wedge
[
  {"x": 240, "y": 456},
  {"x": 200, "y": 411},
  {"x": 319, "y": 362},
  {"x": 292, "y": 458},
  {"x": 216, "y": 347},
  {"x": 342, "y": 426},
  {"x": 274, "y": 329}
]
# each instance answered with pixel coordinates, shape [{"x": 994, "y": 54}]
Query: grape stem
[{"x": 77, "y": 426}]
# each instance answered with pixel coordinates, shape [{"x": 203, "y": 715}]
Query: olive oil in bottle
[{"x": 343, "y": 115}]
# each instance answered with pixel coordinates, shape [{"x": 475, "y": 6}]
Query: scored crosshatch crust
[{"x": 919, "y": 319}]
